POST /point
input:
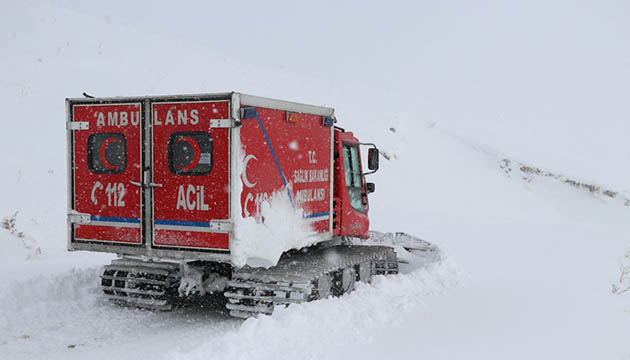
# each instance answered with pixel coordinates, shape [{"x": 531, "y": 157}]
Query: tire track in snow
[
  {"x": 309, "y": 330},
  {"x": 66, "y": 316}
]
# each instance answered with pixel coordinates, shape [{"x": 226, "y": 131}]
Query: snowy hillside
[{"x": 530, "y": 259}]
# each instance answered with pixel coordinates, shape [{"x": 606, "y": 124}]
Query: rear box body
[{"x": 169, "y": 177}]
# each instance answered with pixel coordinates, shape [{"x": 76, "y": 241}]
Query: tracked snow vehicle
[{"x": 169, "y": 183}]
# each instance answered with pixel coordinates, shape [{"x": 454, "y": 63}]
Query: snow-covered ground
[{"x": 530, "y": 261}]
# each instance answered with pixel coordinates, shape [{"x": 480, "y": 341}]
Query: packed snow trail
[
  {"x": 533, "y": 298},
  {"x": 66, "y": 316}
]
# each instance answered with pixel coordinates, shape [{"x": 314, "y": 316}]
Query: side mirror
[
  {"x": 373, "y": 159},
  {"x": 370, "y": 188}
]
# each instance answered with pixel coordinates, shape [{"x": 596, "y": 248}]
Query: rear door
[
  {"x": 106, "y": 158},
  {"x": 191, "y": 180}
]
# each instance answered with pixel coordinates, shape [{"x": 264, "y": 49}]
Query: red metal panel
[
  {"x": 350, "y": 222},
  {"x": 102, "y": 177},
  {"x": 291, "y": 150},
  {"x": 187, "y": 201}
]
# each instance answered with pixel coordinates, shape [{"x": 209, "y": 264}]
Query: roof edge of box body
[{"x": 245, "y": 100}]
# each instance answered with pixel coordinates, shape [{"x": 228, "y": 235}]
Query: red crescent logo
[
  {"x": 196, "y": 152},
  {"x": 102, "y": 153}
]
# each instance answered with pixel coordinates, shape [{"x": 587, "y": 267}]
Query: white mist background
[
  {"x": 523, "y": 76},
  {"x": 462, "y": 84}
]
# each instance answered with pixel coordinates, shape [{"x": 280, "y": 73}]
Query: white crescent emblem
[{"x": 244, "y": 175}]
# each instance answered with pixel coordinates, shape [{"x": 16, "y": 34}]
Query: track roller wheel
[
  {"x": 364, "y": 272},
  {"x": 324, "y": 286}
]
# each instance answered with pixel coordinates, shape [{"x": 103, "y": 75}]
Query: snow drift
[{"x": 282, "y": 227}]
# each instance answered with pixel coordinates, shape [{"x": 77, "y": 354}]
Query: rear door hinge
[
  {"x": 221, "y": 225},
  {"x": 77, "y": 125},
  {"x": 75, "y": 217},
  {"x": 222, "y": 123}
]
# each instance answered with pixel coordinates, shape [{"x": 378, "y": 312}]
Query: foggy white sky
[
  {"x": 484, "y": 68},
  {"x": 550, "y": 59}
]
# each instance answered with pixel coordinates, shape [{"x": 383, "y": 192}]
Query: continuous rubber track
[
  {"x": 298, "y": 277},
  {"x": 136, "y": 283},
  {"x": 306, "y": 276}
]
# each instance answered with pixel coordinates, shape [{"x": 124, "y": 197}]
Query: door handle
[{"x": 139, "y": 184}]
